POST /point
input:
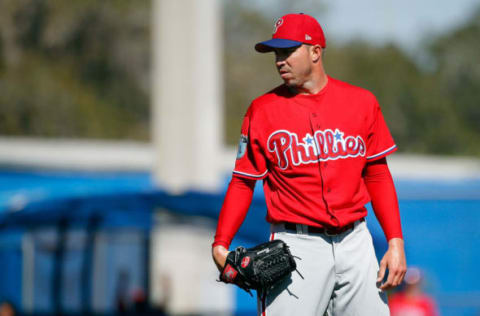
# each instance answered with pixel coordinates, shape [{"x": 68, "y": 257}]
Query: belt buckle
[{"x": 329, "y": 233}]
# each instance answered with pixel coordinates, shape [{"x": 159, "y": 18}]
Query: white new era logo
[{"x": 307, "y": 37}]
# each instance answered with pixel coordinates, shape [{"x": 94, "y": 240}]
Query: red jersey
[{"x": 310, "y": 150}]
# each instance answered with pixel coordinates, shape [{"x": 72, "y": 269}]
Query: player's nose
[
  {"x": 280, "y": 59},
  {"x": 279, "y": 62}
]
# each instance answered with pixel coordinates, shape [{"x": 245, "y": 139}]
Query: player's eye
[{"x": 284, "y": 52}]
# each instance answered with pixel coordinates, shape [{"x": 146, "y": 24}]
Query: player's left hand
[{"x": 393, "y": 260}]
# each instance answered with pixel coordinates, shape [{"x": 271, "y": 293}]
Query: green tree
[
  {"x": 458, "y": 73},
  {"x": 74, "y": 68}
]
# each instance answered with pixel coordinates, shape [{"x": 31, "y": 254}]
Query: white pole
[{"x": 187, "y": 94}]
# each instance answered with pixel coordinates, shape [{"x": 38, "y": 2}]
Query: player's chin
[
  {"x": 289, "y": 81},
  {"x": 287, "y": 78}
]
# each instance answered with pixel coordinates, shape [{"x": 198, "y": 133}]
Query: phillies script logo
[{"x": 323, "y": 145}]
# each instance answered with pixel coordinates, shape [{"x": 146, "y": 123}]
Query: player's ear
[{"x": 316, "y": 53}]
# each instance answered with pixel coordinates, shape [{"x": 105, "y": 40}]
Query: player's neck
[{"x": 315, "y": 85}]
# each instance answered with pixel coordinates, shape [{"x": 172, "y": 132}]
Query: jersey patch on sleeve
[{"x": 242, "y": 146}]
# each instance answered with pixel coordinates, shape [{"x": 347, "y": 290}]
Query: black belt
[{"x": 322, "y": 230}]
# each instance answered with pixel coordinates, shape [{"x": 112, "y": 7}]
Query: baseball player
[{"x": 319, "y": 145}]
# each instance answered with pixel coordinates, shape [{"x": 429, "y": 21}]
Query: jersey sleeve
[
  {"x": 380, "y": 142},
  {"x": 251, "y": 162},
  {"x": 381, "y": 189},
  {"x": 234, "y": 210}
]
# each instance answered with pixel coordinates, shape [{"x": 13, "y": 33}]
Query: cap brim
[{"x": 268, "y": 46}]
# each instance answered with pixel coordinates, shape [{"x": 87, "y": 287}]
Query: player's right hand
[{"x": 219, "y": 254}]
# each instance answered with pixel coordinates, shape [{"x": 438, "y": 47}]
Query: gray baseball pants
[{"x": 336, "y": 276}]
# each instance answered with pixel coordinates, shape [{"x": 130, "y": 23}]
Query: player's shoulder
[
  {"x": 351, "y": 90},
  {"x": 267, "y": 100},
  {"x": 276, "y": 94}
]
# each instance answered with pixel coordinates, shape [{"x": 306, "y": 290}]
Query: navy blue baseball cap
[{"x": 293, "y": 30}]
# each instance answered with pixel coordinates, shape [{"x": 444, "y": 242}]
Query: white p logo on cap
[{"x": 277, "y": 25}]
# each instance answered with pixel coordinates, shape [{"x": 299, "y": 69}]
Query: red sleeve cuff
[{"x": 221, "y": 243}]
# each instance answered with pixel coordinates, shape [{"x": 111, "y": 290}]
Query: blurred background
[{"x": 118, "y": 129}]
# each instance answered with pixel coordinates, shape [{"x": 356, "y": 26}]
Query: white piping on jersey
[
  {"x": 251, "y": 175},
  {"x": 383, "y": 152}
]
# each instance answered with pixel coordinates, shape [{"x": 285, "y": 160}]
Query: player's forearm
[
  {"x": 235, "y": 207},
  {"x": 380, "y": 186}
]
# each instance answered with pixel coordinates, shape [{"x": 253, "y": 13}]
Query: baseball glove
[{"x": 260, "y": 267}]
